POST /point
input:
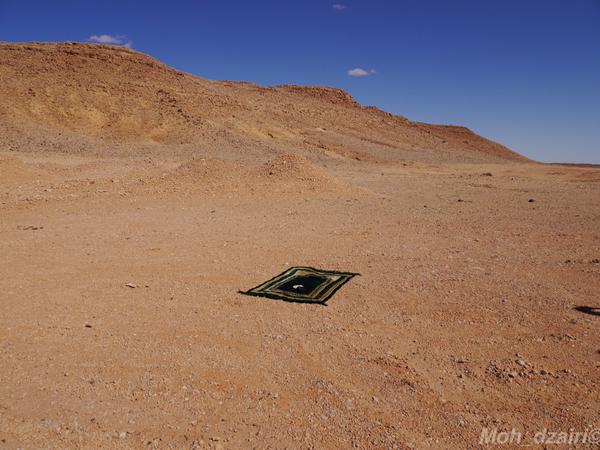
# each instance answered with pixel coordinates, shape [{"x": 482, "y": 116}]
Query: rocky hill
[{"x": 83, "y": 98}]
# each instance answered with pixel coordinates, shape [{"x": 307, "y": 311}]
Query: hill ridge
[{"x": 119, "y": 97}]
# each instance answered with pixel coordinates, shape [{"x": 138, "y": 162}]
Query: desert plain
[{"x": 136, "y": 201}]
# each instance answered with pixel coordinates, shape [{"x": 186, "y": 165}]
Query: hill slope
[{"x": 85, "y": 98}]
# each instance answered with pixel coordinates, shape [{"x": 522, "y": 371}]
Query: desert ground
[{"x": 129, "y": 226}]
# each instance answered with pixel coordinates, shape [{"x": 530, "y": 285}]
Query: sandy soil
[
  {"x": 464, "y": 316},
  {"x": 117, "y": 170}
]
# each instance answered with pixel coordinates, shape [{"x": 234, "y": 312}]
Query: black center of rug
[{"x": 302, "y": 285}]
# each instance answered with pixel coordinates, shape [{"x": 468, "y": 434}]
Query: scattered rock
[
  {"x": 531, "y": 200},
  {"x": 87, "y": 325},
  {"x": 131, "y": 285},
  {"x": 487, "y": 174}
]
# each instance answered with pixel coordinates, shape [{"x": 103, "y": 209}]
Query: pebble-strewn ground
[{"x": 464, "y": 317}]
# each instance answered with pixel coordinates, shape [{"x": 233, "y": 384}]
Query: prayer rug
[{"x": 302, "y": 285}]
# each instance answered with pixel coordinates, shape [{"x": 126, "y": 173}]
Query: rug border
[{"x": 347, "y": 277}]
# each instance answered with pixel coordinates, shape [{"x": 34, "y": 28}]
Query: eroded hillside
[{"x": 82, "y": 98}]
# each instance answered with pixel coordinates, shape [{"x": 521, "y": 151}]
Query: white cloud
[
  {"x": 111, "y": 40},
  {"x": 105, "y": 39},
  {"x": 339, "y": 7},
  {"x": 358, "y": 72}
]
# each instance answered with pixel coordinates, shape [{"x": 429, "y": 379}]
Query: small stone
[
  {"x": 87, "y": 325},
  {"x": 123, "y": 434},
  {"x": 375, "y": 399},
  {"x": 131, "y": 285},
  {"x": 531, "y": 200},
  {"x": 512, "y": 374},
  {"x": 31, "y": 227},
  {"x": 521, "y": 362}
]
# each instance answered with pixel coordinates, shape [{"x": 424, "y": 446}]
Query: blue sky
[{"x": 525, "y": 73}]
